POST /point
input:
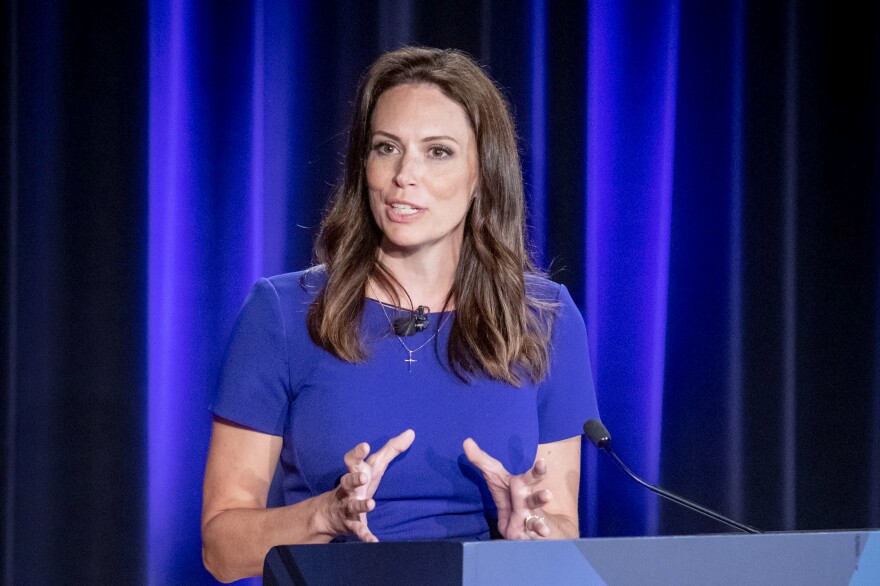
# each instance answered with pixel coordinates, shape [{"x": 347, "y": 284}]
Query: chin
[
  {"x": 402, "y": 245},
  {"x": 404, "y": 237}
]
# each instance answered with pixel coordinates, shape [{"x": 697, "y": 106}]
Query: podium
[{"x": 827, "y": 558}]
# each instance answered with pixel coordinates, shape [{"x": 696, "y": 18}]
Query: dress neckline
[{"x": 380, "y": 304}]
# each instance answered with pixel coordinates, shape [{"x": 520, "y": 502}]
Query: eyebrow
[{"x": 426, "y": 139}]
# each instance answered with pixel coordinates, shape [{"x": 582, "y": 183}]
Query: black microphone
[
  {"x": 416, "y": 321},
  {"x": 599, "y": 436},
  {"x": 421, "y": 318}
]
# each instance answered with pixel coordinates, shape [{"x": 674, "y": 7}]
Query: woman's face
[{"x": 422, "y": 170}]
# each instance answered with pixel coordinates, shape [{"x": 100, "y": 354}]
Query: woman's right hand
[{"x": 345, "y": 508}]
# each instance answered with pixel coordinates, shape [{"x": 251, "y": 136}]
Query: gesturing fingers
[
  {"x": 539, "y": 470},
  {"x": 537, "y": 525},
  {"x": 538, "y": 499},
  {"x": 393, "y": 448},
  {"x": 348, "y": 505},
  {"x": 353, "y": 480},
  {"x": 488, "y": 465},
  {"x": 356, "y": 507},
  {"x": 364, "y": 534},
  {"x": 518, "y": 498},
  {"x": 356, "y": 455}
]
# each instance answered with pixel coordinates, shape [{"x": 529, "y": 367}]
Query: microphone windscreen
[
  {"x": 597, "y": 433},
  {"x": 405, "y": 326},
  {"x": 420, "y": 323}
]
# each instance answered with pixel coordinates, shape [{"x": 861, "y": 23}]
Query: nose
[{"x": 407, "y": 171}]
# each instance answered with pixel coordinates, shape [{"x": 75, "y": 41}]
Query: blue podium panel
[{"x": 843, "y": 557}]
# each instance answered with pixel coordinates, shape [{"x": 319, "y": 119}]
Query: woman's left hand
[{"x": 519, "y": 499}]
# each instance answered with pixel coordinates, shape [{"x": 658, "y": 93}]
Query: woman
[{"x": 476, "y": 409}]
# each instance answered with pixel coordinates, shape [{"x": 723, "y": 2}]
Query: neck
[{"x": 426, "y": 278}]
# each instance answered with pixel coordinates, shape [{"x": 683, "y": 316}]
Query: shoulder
[
  {"x": 554, "y": 301},
  {"x": 298, "y": 286},
  {"x": 544, "y": 290},
  {"x": 288, "y": 295}
]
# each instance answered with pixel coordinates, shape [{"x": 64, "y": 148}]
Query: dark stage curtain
[
  {"x": 74, "y": 282},
  {"x": 770, "y": 395},
  {"x": 704, "y": 178}
]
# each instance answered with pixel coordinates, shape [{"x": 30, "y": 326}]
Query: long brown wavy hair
[{"x": 500, "y": 328}]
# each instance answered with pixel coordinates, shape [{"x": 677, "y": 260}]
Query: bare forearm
[{"x": 235, "y": 542}]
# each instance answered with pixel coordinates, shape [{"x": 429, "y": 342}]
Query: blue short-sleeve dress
[{"x": 275, "y": 380}]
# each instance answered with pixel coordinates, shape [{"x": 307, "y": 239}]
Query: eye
[
  {"x": 384, "y": 148},
  {"x": 439, "y": 152}
]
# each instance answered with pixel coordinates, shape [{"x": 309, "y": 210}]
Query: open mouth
[{"x": 404, "y": 209}]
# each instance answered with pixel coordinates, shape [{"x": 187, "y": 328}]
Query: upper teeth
[{"x": 403, "y": 208}]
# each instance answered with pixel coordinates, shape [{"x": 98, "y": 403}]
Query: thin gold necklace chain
[{"x": 410, "y": 359}]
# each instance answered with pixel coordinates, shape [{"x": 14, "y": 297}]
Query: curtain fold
[
  {"x": 629, "y": 161},
  {"x": 74, "y": 395}
]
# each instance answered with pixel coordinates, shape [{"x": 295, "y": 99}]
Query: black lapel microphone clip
[
  {"x": 416, "y": 321},
  {"x": 421, "y": 318}
]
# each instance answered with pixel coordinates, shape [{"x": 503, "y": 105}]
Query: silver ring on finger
[{"x": 531, "y": 516}]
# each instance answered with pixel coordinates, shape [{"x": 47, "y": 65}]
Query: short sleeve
[
  {"x": 253, "y": 389},
  {"x": 566, "y": 398}
]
